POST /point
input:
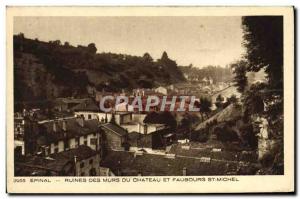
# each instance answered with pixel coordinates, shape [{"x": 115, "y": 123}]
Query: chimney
[
  {"x": 80, "y": 121},
  {"x": 184, "y": 171},
  {"x": 64, "y": 125},
  {"x": 75, "y": 159},
  {"x": 54, "y": 126}
]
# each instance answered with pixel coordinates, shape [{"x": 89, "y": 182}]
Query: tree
[
  {"x": 263, "y": 39},
  {"x": 225, "y": 133},
  {"x": 219, "y": 101},
  {"x": 161, "y": 118},
  {"x": 67, "y": 44},
  {"x": 21, "y": 35},
  {"x": 232, "y": 99},
  {"x": 56, "y": 42},
  {"x": 164, "y": 56},
  {"x": 240, "y": 78},
  {"x": 92, "y": 48},
  {"x": 205, "y": 105},
  {"x": 147, "y": 57}
]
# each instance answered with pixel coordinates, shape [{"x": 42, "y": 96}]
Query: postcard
[{"x": 150, "y": 100}]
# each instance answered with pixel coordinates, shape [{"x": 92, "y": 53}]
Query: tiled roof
[
  {"x": 229, "y": 113},
  {"x": 115, "y": 128},
  {"x": 56, "y": 162},
  {"x": 82, "y": 152},
  {"x": 228, "y": 152},
  {"x": 73, "y": 129},
  {"x": 87, "y": 105},
  {"x": 44, "y": 163},
  {"x": 71, "y": 100},
  {"x": 159, "y": 165}
]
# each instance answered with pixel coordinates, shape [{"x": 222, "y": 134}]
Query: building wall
[
  {"x": 61, "y": 146},
  {"x": 83, "y": 167},
  {"x": 87, "y": 115},
  {"x": 125, "y": 118},
  {"x": 132, "y": 127},
  {"x": 141, "y": 128},
  {"x": 114, "y": 141},
  {"x": 102, "y": 116},
  {"x": 21, "y": 144},
  {"x": 73, "y": 143},
  {"x": 93, "y": 141},
  {"x": 136, "y": 117}
]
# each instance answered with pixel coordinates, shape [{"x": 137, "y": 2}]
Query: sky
[{"x": 200, "y": 41}]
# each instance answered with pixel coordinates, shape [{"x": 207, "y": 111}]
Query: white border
[{"x": 93, "y": 2}]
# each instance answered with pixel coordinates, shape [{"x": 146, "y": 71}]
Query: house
[
  {"x": 123, "y": 163},
  {"x": 119, "y": 117},
  {"x": 157, "y": 140},
  {"x": 87, "y": 105},
  {"x": 104, "y": 171},
  {"x": 44, "y": 166},
  {"x": 67, "y": 104},
  {"x": 161, "y": 90},
  {"x": 115, "y": 136},
  {"x": 81, "y": 161},
  {"x": 87, "y": 109},
  {"x": 67, "y": 133},
  {"x": 86, "y": 160},
  {"x": 19, "y": 128}
]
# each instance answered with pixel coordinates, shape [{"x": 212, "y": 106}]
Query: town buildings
[{"x": 80, "y": 161}]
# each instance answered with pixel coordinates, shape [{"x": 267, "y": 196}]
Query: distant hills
[{"x": 46, "y": 70}]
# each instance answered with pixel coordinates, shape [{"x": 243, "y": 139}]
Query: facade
[
  {"x": 115, "y": 136},
  {"x": 67, "y": 104},
  {"x": 119, "y": 117},
  {"x": 161, "y": 90},
  {"x": 44, "y": 166},
  {"x": 64, "y": 134},
  {"x": 81, "y": 161},
  {"x": 86, "y": 160},
  {"x": 19, "y": 128}
]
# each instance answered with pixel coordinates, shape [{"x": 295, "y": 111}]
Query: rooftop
[
  {"x": 73, "y": 129},
  {"x": 87, "y": 105},
  {"x": 115, "y": 128},
  {"x": 82, "y": 152},
  {"x": 127, "y": 163}
]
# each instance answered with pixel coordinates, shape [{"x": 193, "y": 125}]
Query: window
[
  {"x": 93, "y": 141},
  {"x": 92, "y": 172},
  {"x": 67, "y": 144},
  {"x": 91, "y": 161},
  {"x": 82, "y": 165},
  {"x": 89, "y": 116}
]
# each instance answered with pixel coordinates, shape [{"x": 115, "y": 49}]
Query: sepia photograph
[{"x": 142, "y": 97}]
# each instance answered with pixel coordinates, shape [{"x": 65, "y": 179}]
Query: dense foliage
[
  {"x": 217, "y": 73},
  {"x": 263, "y": 39},
  {"x": 71, "y": 69},
  {"x": 240, "y": 78}
]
